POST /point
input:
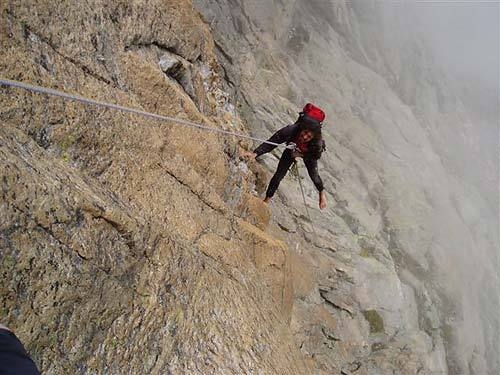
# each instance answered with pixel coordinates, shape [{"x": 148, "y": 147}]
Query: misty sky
[{"x": 465, "y": 37}]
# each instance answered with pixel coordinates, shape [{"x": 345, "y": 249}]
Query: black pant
[
  {"x": 13, "y": 357},
  {"x": 284, "y": 165}
]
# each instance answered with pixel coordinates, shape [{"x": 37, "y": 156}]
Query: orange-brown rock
[{"x": 119, "y": 247}]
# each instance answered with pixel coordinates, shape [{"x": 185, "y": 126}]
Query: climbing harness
[{"x": 81, "y": 99}]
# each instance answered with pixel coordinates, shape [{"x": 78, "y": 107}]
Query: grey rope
[
  {"x": 295, "y": 164},
  {"x": 81, "y": 99}
]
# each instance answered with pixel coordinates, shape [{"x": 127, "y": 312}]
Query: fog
[
  {"x": 465, "y": 39},
  {"x": 453, "y": 47},
  {"x": 462, "y": 45}
]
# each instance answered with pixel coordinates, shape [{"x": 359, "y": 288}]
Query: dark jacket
[{"x": 287, "y": 134}]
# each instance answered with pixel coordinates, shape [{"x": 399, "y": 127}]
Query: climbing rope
[
  {"x": 297, "y": 172},
  {"x": 81, "y": 99}
]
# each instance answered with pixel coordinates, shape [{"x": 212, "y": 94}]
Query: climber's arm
[
  {"x": 312, "y": 169},
  {"x": 281, "y": 136}
]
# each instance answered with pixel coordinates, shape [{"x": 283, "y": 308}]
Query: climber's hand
[
  {"x": 248, "y": 155},
  {"x": 322, "y": 200}
]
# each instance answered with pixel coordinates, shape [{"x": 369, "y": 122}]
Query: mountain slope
[
  {"x": 134, "y": 246},
  {"x": 120, "y": 248},
  {"x": 411, "y": 177}
]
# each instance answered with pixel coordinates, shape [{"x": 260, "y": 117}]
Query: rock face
[
  {"x": 130, "y": 246},
  {"x": 414, "y": 219},
  {"x": 134, "y": 246}
]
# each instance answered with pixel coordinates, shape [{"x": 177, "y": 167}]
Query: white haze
[{"x": 465, "y": 38}]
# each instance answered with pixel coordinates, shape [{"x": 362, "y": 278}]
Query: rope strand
[
  {"x": 304, "y": 196},
  {"x": 81, "y": 99}
]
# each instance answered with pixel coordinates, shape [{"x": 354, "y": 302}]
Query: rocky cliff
[
  {"x": 130, "y": 246},
  {"x": 414, "y": 183},
  {"x": 134, "y": 246}
]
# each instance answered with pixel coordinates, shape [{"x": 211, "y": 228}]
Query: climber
[{"x": 306, "y": 140}]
